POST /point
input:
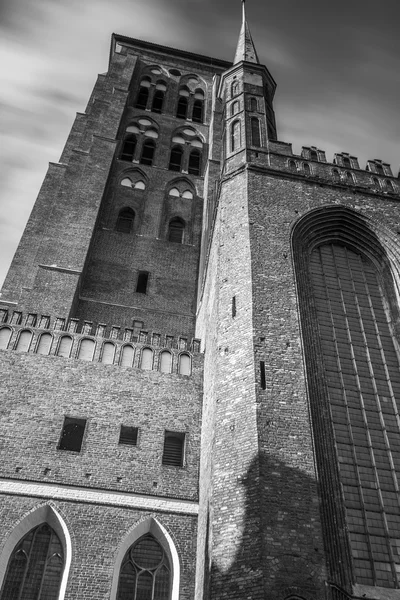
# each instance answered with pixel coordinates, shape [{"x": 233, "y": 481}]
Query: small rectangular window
[
  {"x": 128, "y": 435},
  {"x": 174, "y": 449},
  {"x": 142, "y": 281},
  {"x": 72, "y": 434}
]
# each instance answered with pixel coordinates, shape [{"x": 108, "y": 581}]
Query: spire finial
[{"x": 245, "y": 49}]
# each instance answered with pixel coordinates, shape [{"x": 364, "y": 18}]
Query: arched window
[
  {"x": 158, "y": 98},
  {"x": 349, "y": 177},
  {"x": 234, "y": 88},
  {"x": 145, "y": 572},
  {"x": 44, "y": 344},
  {"x": 188, "y": 195},
  {"x": 108, "y": 353},
  {"x": 389, "y": 186},
  {"x": 143, "y": 95},
  {"x": 376, "y": 184},
  {"x": 336, "y": 175},
  {"x": 148, "y": 149},
  {"x": 255, "y": 132},
  {"x": 127, "y": 354},
  {"x": 183, "y": 103},
  {"x": 313, "y": 155},
  {"x": 253, "y": 105},
  {"x": 306, "y": 169},
  {"x": 197, "y": 112},
  {"x": 140, "y": 185},
  {"x": 379, "y": 169},
  {"x": 165, "y": 362},
  {"x": 236, "y": 136},
  {"x": 126, "y": 182},
  {"x": 175, "y": 231},
  {"x": 5, "y": 335},
  {"x": 194, "y": 162},
  {"x": 129, "y": 147},
  {"x": 175, "y": 161},
  {"x": 184, "y": 364},
  {"x": 235, "y": 107},
  {"x": 346, "y": 162},
  {"x": 292, "y": 165},
  {"x": 125, "y": 220},
  {"x": 64, "y": 346},
  {"x": 146, "y": 360},
  {"x": 24, "y": 341},
  {"x": 36, "y": 563},
  {"x": 86, "y": 349}
]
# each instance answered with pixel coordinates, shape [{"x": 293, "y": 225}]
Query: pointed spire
[{"x": 245, "y": 49}]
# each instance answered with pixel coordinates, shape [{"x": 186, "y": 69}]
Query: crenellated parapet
[
  {"x": 344, "y": 170},
  {"x": 112, "y": 345}
]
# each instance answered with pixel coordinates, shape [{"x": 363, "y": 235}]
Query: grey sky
[{"x": 337, "y": 66}]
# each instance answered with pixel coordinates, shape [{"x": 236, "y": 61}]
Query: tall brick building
[{"x": 199, "y": 340}]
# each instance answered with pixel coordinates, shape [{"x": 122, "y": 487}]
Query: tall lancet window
[
  {"x": 236, "y": 136},
  {"x": 145, "y": 572},
  {"x": 255, "y": 132},
  {"x": 35, "y": 567},
  {"x": 348, "y": 305}
]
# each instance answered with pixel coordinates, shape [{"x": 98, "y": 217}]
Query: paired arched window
[
  {"x": 143, "y": 95},
  {"x": 236, "y": 136},
  {"x": 35, "y": 566},
  {"x": 175, "y": 231},
  {"x": 183, "y": 104},
  {"x": 128, "y": 148},
  {"x": 175, "y": 161},
  {"x": 148, "y": 150},
  {"x": 194, "y": 162},
  {"x": 145, "y": 572},
  {"x": 5, "y": 335},
  {"x": 125, "y": 220},
  {"x": 255, "y": 132}
]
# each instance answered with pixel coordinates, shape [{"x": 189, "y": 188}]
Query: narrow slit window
[
  {"x": 72, "y": 434},
  {"x": 175, "y": 161},
  {"x": 194, "y": 162},
  {"x": 253, "y": 105},
  {"x": 176, "y": 229},
  {"x": 174, "y": 447},
  {"x": 142, "y": 282},
  {"x": 148, "y": 153},
  {"x": 125, "y": 220},
  {"x": 262, "y": 375},
  {"x": 137, "y": 328},
  {"x": 128, "y": 148},
  {"x": 234, "y": 307},
  {"x": 128, "y": 435},
  {"x": 255, "y": 132}
]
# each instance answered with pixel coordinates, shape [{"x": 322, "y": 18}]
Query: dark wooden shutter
[{"x": 173, "y": 449}]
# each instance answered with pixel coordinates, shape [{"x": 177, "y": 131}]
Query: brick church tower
[{"x": 199, "y": 346}]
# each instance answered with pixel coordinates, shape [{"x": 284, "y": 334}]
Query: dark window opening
[
  {"x": 142, "y": 281},
  {"x": 313, "y": 155},
  {"x": 128, "y": 435},
  {"x": 253, "y": 105},
  {"x": 262, "y": 375},
  {"x": 36, "y": 563},
  {"x": 255, "y": 132},
  {"x": 142, "y": 98},
  {"x": 148, "y": 153},
  {"x": 173, "y": 453},
  {"x": 128, "y": 149},
  {"x": 346, "y": 162},
  {"x": 379, "y": 169},
  {"x": 194, "y": 162},
  {"x": 234, "y": 307},
  {"x": 306, "y": 169},
  {"x": 175, "y": 161},
  {"x": 182, "y": 109},
  {"x": 175, "y": 231},
  {"x": 158, "y": 101},
  {"x": 72, "y": 434},
  {"x": 197, "y": 113},
  {"x": 292, "y": 165},
  {"x": 125, "y": 220}
]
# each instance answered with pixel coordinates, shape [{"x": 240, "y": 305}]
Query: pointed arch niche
[
  {"x": 347, "y": 283},
  {"x": 153, "y": 527},
  {"x": 180, "y": 205},
  {"x": 45, "y": 514}
]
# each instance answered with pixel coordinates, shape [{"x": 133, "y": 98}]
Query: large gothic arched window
[
  {"x": 145, "y": 572},
  {"x": 35, "y": 567}
]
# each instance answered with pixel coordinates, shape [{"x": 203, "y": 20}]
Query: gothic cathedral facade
[{"x": 200, "y": 360}]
